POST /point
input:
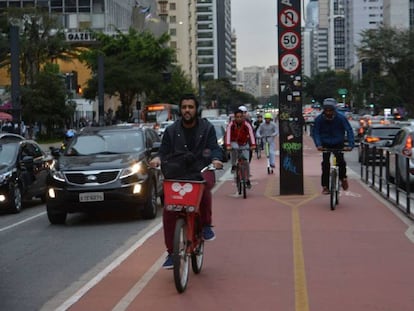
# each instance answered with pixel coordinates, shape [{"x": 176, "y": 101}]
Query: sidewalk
[{"x": 272, "y": 252}]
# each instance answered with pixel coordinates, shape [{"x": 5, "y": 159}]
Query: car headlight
[
  {"x": 132, "y": 170},
  {"x": 58, "y": 175},
  {"x": 5, "y": 176}
]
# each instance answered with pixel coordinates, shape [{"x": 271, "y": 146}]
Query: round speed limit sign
[{"x": 289, "y": 40}]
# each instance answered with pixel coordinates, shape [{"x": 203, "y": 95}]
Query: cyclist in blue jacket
[{"x": 329, "y": 132}]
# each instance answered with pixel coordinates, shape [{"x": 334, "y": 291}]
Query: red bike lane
[{"x": 276, "y": 252}]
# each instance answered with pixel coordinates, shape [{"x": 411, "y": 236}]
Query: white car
[{"x": 401, "y": 149}]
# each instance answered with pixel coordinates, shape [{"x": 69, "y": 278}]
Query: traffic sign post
[{"x": 290, "y": 98}]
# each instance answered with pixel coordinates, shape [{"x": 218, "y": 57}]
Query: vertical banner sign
[{"x": 290, "y": 97}]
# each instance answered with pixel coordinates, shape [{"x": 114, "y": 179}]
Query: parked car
[
  {"x": 24, "y": 167},
  {"x": 401, "y": 148},
  {"x": 378, "y": 135},
  {"x": 106, "y": 167}
]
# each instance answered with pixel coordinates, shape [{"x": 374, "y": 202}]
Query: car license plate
[{"x": 91, "y": 196}]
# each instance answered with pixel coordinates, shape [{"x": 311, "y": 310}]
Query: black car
[
  {"x": 105, "y": 167},
  {"x": 24, "y": 168}
]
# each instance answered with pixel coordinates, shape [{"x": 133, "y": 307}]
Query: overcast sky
[{"x": 255, "y": 24}]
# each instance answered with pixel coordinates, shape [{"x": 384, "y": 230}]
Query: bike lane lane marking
[{"x": 294, "y": 202}]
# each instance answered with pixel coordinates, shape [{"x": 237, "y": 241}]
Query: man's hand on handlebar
[{"x": 217, "y": 164}]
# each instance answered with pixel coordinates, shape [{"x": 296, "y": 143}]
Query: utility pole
[{"x": 15, "y": 74}]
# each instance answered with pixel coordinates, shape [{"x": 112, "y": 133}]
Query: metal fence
[{"x": 375, "y": 172}]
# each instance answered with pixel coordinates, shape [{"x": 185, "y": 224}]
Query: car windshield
[
  {"x": 384, "y": 132},
  {"x": 8, "y": 153},
  {"x": 107, "y": 142}
]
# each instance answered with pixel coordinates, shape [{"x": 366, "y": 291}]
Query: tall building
[
  {"x": 336, "y": 37},
  {"x": 180, "y": 16},
  {"x": 321, "y": 37},
  {"x": 309, "y": 45},
  {"x": 399, "y": 13},
  {"x": 214, "y": 39},
  {"x": 360, "y": 15}
]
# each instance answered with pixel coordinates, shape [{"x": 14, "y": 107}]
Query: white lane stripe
[
  {"x": 141, "y": 283},
  {"x": 21, "y": 222},
  {"x": 124, "y": 303},
  {"x": 72, "y": 300}
]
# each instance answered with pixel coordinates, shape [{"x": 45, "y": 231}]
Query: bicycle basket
[{"x": 183, "y": 192}]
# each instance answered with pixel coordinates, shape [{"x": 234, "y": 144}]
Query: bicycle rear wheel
[
  {"x": 333, "y": 194},
  {"x": 180, "y": 258},
  {"x": 197, "y": 256},
  {"x": 238, "y": 182},
  {"x": 244, "y": 173}
]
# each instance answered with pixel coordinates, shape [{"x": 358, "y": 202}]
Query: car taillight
[
  {"x": 407, "y": 147},
  {"x": 371, "y": 139}
]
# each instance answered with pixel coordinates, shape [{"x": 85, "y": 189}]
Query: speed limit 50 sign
[{"x": 289, "y": 40}]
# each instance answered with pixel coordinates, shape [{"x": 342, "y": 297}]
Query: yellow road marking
[{"x": 296, "y": 201}]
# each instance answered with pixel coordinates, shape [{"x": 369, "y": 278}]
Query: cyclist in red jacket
[{"x": 239, "y": 135}]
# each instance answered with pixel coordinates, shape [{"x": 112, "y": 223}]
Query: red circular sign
[
  {"x": 289, "y": 18},
  {"x": 289, "y": 62},
  {"x": 289, "y": 40}
]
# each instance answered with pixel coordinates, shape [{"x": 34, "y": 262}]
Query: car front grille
[{"x": 92, "y": 177}]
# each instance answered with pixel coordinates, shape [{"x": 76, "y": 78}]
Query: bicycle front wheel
[
  {"x": 180, "y": 258},
  {"x": 197, "y": 256},
  {"x": 333, "y": 196}
]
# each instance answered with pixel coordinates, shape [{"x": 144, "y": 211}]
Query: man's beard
[{"x": 188, "y": 120}]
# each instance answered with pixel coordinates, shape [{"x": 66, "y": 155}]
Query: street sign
[
  {"x": 289, "y": 18},
  {"x": 290, "y": 63},
  {"x": 289, "y": 40},
  {"x": 342, "y": 91}
]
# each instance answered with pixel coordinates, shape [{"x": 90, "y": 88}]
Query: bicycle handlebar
[
  {"x": 210, "y": 167},
  {"x": 345, "y": 149}
]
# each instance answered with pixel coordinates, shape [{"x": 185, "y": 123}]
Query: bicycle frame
[
  {"x": 183, "y": 197},
  {"x": 334, "y": 186},
  {"x": 241, "y": 173}
]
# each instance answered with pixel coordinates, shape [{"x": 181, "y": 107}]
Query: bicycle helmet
[
  {"x": 268, "y": 115},
  {"x": 329, "y": 103}
]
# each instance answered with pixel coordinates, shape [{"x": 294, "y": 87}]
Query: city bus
[{"x": 160, "y": 112}]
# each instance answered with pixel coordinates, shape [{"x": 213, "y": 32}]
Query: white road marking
[{"x": 21, "y": 222}]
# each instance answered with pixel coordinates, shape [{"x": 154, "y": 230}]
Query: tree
[
  {"x": 326, "y": 84},
  {"x": 175, "y": 84},
  {"x": 41, "y": 41},
  {"x": 392, "y": 51},
  {"x": 45, "y": 100},
  {"x": 134, "y": 63}
]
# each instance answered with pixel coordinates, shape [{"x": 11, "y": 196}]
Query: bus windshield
[{"x": 157, "y": 113}]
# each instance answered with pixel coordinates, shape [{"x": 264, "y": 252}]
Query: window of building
[
  {"x": 173, "y": 19},
  {"x": 173, "y": 6},
  {"x": 70, "y": 6},
  {"x": 173, "y": 32},
  {"x": 173, "y": 44}
]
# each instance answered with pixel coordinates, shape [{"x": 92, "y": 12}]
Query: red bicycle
[{"x": 183, "y": 197}]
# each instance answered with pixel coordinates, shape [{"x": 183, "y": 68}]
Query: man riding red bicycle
[
  {"x": 240, "y": 135},
  {"x": 196, "y": 138}
]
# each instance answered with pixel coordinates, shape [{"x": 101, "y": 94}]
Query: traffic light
[{"x": 343, "y": 95}]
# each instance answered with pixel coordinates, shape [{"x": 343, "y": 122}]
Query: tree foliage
[
  {"x": 133, "y": 62},
  {"x": 391, "y": 51},
  {"x": 326, "y": 84},
  {"x": 45, "y": 100},
  {"x": 226, "y": 96},
  {"x": 42, "y": 40}
]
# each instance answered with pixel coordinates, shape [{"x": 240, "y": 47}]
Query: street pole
[
  {"x": 101, "y": 89},
  {"x": 15, "y": 74}
]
